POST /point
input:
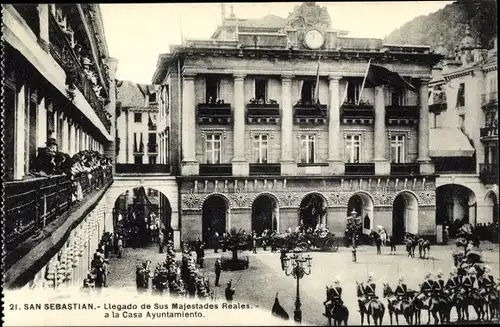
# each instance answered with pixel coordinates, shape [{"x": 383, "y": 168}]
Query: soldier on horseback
[
  {"x": 427, "y": 285},
  {"x": 469, "y": 280},
  {"x": 370, "y": 288},
  {"x": 438, "y": 286},
  {"x": 453, "y": 281},
  {"x": 333, "y": 296},
  {"x": 401, "y": 290},
  {"x": 486, "y": 282}
]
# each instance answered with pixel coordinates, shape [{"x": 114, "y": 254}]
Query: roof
[
  {"x": 130, "y": 94},
  {"x": 268, "y": 21}
]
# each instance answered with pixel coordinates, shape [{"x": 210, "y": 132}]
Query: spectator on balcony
[
  {"x": 261, "y": 101},
  {"x": 45, "y": 163}
]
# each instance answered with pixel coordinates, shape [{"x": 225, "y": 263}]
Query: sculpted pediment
[{"x": 309, "y": 15}]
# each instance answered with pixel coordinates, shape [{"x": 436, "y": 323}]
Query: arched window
[{"x": 366, "y": 222}]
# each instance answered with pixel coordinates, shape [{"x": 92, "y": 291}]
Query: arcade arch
[
  {"x": 491, "y": 202},
  {"x": 455, "y": 203},
  {"x": 265, "y": 213},
  {"x": 313, "y": 210},
  {"x": 404, "y": 216},
  {"x": 215, "y": 213},
  {"x": 362, "y": 204}
]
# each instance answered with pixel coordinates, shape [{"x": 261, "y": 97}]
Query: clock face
[{"x": 313, "y": 39}]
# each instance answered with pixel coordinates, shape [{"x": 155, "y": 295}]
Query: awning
[{"x": 449, "y": 142}]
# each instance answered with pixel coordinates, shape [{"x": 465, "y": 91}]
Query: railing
[
  {"x": 405, "y": 168},
  {"x": 142, "y": 168},
  {"x": 490, "y": 98},
  {"x": 488, "y": 173},
  {"x": 152, "y": 148},
  {"x": 457, "y": 165},
  {"x": 63, "y": 53},
  {"x": 263, "y": 40},
  {"x": 263, "y": 110},
  {"x": 207, "y": 110},
  {"x": 265, "y": 169},
  {"x": 488, "y": 131},
  {"x": 309, "y": 111},
  {"x": 401, "y": 112},
  {"x": 32, "y": 204},
  {"x": 352, "y": 111},
  {"x": 216, "y": 170},
  {"x": 360, "y": 169}
]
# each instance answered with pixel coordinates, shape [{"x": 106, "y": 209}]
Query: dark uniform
[
  {"x": 370, "y": 290},
  {"x": 229, "y": 293},
  {"x": 468, "y": 283},
  {"x": 486, "y": 283},
  {"x": 400, "y": 291},
  {"x": 333, "y": 298},
  {"x": 217, "y": 272},
  {"x": 452, "y": 283},
  {"x": 426, "y": 287},
  {"x": 438, "y": 287}
]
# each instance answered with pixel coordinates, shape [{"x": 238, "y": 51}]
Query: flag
[
  {"x": 378, "y": 75},
  {"x": 278, "y": 310},
  {"x": 317, "y": 104},
  {"x": 345, "y": 93}
]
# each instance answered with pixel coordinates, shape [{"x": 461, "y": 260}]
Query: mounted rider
[
  {"x": 486, "y": 282},
  {"x": 438, "y": 285},
  {"x": 469, "y": 280},
  {"x": 427, "y": 286},
  {"x": 453, "y": 281},
  {"x": 401, "y": 290},
  {"x": 369, "y": 288},
  {"x": 333, "y": 296}
]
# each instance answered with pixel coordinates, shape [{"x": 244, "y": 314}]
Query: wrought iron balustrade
[
  {"x": 353, "y": 111},
  {"x": 405, "y": 168},
  {"x": 402, "y": 112},
  {"x": 214, "y": 113},
  {"x": 263, "y": 110},
  {"x": 265, "y": 169},
  {"x": 216, "y": 170},
  {"x": 488, "y": 173},
  {"x": 488, "y": 131},
  {"x": 309, "y": 111},
  {"x": 360, "y": 169}
]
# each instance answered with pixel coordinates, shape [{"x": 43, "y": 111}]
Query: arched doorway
[
  {"x": 264, "y": 214},
  {"x": 404, "y": 216},
  {"x": 139, "y": 214},
  {"x": 214, "y": 216},
  {"x": 313, "y": 209},
  {"x": 362, "y": 204},
  {"x": 491, "y": 202},
  {"x": 455, "y": 205}
]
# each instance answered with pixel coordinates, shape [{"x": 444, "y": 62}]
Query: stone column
[
  {"x": 72, "y": 139},
  {"x": 130, "y": 138},
  {"x": 20, "y": 135},
  {"x": 426, "y": 166},
  {"x": 109, "y": 148},
  {"x": 240, "y": 164},
  {"x": 336, "y": 166},
  {"x": 382, "y": 165},
  {"x": 43, "y": 15},
  {"x": 41, "y": 126},
  {"x": 65, "y": 135},
  {"x": 288, "y": 166},
  {"x": 190, "y": 165}
]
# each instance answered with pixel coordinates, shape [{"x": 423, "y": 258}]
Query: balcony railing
[
  {"x": 152, "y": 148},
  {"x": 489, "y": 132},
  {"x": 30, "y": 205},
  {"x": 214, "y": 113},
  {"x": 142, "y": 169},
  {"x": 265, "y": 169},
  {"x": 489, "y": 100},
  {"x": 263, "y": 110},
  {"x": 309, "y": 113},
  {"x": 401, "y": 112},
  {"x": 353, "y": 111},
  {"x": 360, "y": 169},
  {"x": 216, "y": 170},
  {"x": 62, "y": 51},
  {"x": 459, "y": 165},
  {"x": 405, "y": 168},
  {"x": 488, "y": 173}
]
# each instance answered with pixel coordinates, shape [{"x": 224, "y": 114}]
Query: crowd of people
[
  {"x": 488, "y": 232},
  {"x": 99, "y": 266}
]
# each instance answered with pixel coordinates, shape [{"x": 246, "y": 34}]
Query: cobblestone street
[{"x": 259, "y": 284}]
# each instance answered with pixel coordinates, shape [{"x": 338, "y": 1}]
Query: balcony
[
  {"x": 489, "y": 101},
  {"x": 152, "y": 148},
  {"x": 215, "y": 114},
  {"x": 216, "y": 169},
  {"x": 142, "y": 169},
  {"x": 401, "y": 115},
  {"x": 263, "y": 113},
  {"x": 488, "y": 173},
  {"x": 405, "y": 169},
  {"x": 309, "y": 113},
  {"x": 32, "y": 204},
  {"x": 360, "y": 169},
  {"x": 350, "y": 113},
  {"x": 456, "y": 165},
  {"x": 265, "y": 169},
  {"x": 64, "y": 54},
  {"x": 489, "y": 133}
]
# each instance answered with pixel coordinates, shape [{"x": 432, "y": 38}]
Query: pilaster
[
  {"x": 336, "y": 166},
  {"x": 426, "y": 165},
  {"x": 189, "y": 164},
  {"x": 240, "y": 164},
  {"x": 288, "y": 166}
]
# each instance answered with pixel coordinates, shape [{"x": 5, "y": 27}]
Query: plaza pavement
[{"x": 259, "y": 284}]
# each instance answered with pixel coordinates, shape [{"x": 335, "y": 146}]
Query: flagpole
[
  {"x": 180, "y": 28},
  {"x": 364, "y": 80}
]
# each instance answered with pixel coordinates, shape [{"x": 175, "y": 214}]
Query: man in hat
[
  {"x": 469, "y": 280},
  {"x": 217, "y": 271},
  {"x": 370, "y": 287},
  {"x": 438, "y": 285},
  {"x": 229, "y": 292},
  {"x": 427, "y": 285},
  {"x": 401, "y": 289},
  {"x": 333, "y": 296},
  {"x": 453, "y": 281},
  {"x": 486, "y": 281}
]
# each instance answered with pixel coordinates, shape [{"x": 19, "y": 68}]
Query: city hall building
[{"x": 252, "y": 146}]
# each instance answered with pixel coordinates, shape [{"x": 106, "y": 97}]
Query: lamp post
[{"x": 298, "y": 270}]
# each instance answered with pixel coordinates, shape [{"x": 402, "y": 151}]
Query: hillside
[{"x": 449, "y": 24}]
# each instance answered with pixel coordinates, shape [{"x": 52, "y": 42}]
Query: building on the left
[{"x": 59, "y": 102}]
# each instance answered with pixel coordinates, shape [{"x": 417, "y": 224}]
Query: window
[
  {"x": 492, "y": 88},
  {"x": 397, "y": 149},
  {"x": 213, "y": 88},
  {"x": 152, "y": 160},
  {"x": 307, "y": 92},
  {"x": 152, "y": 97},
  {"x": 353, "y": 148},
  {"x": 138, "y": 160},
  {"x": 307, "y": 148},
  {"x": 436, "y": 120},
  {"x": 261, "y": 90},
  {"x": 398, "y": 98},
  {"x": 213, "y": 148},
  {"x": 353, "y": 90},
  {"x": 138, "y": 117},
  {"x": 461, "y": 95},
  {"x": 260, "y": 146}
]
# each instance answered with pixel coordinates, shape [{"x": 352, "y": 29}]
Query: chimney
[{"x": 222, "y": 12}]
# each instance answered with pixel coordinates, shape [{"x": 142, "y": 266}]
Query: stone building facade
[{"x": 254, "y": 147}]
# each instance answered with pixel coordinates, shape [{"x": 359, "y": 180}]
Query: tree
[{"x": 236, "y": 241}]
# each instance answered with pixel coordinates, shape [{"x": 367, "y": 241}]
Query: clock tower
[{"x": 309, "y": 27}]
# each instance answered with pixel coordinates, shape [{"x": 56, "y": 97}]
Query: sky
[{"x": 137, "y": 33}]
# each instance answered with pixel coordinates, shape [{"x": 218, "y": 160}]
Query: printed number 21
[{"x": 13, "y": 307}]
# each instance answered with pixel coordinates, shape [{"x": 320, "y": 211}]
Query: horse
[
  {"x": 404, "y": 308},
  {"x": 493, "y": 303},
  {"x": 424, "y": 247},
  {"x": 372, "y": 307},
  {"x": 478, "y": 303},
  {"x": 339, "y": 314},
  {"x": 436, "y": 307},
  {"x": 411, "y": 244},
  {"x": 455, "y": 299},
  {"x": 378, "y": 240}
]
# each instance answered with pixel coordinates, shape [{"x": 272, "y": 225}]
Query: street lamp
[{"x": 297, "y": 270}]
